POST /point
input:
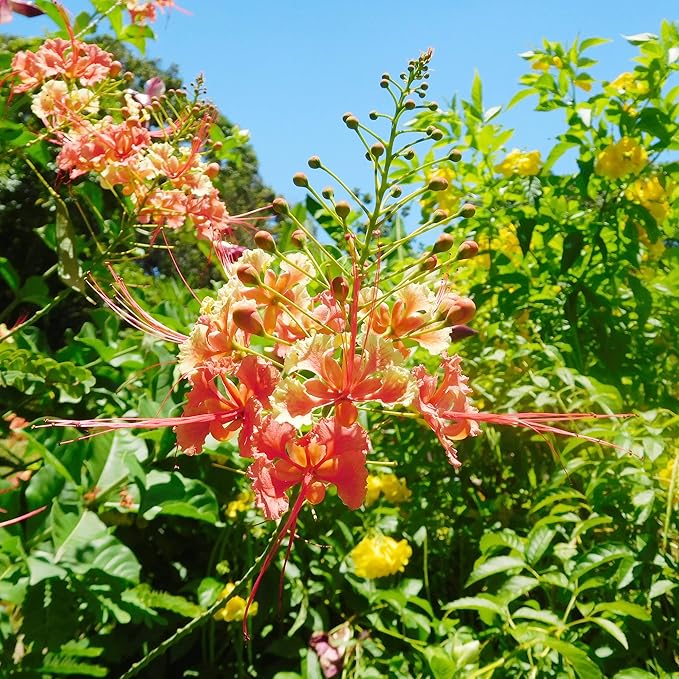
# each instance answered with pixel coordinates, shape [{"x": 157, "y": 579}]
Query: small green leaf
[
  {"x": 584, "y": 667},
  {"x": 496, "y": 564},
  {"x": 610, "y": 627},
  {"x": 441, "y": 664},
  {"x": 538, "y": 542},
  {"x": 623, "y": 608},
  {"x": 475, "y": 603}
]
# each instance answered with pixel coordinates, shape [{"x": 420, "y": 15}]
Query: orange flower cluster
[{"x": 122, "y": 136}]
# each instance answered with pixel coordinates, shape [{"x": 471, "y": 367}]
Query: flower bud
[
  {"x": 432, "y": 106},
  {"x": 246, "y": 318},
  {"x": 247, "y": 275},
  {"x": 460, "y": 332},
  {"x": 467, "y": 210},
  {"x": 343, "y": 209},
  {"x": 212, "y": 170},
  {"x": 430, "y": 263},
  {"x": 457, "y": 310},
  {"x": 437, "y": 183},
  {"x": 439, "y": 215},
  {"x": 298, "y": 238},
  {"x": 348, "y": 114},
  {"x": 300, "y": 179},
  {"x": 384, "y": 84},
  {"x": 351, "y": 122},
  {"x": 409, "y": 104},
  {"x": 468, "y": 249},
  {"x": 373, "y": 115},
  {"x": 340, "y": 288},
  {"x": 396, "y": 191},
  {"x": 443, "y": 243},
  {"x": 280, "y": 206},
  {"x": 328, "y": 192},
  {"x": 409, "y": 154},
  {"x": 314, "y": 162},
  {"x": 115, "y": 69},
  {"x": 264, "y": 240},
  {"x": 455, "y": 156},
  {"x": 436, "y": 135},
  {"x": 346, "y": 413},
  {"x": 377, "y": 149}
]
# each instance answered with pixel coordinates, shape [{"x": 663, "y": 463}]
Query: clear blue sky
[{"x": 287, "y": 71}]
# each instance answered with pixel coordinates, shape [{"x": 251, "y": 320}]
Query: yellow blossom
[
  {"x": 389, "y": 485},
  {"x": 626, "y": 83},
  {"x": 234, "y": 609},
  {"x": 524, "y": 164},
  {"x": 242, "y": 503},
  {"x": 649, "y": 192},
  {"x": 620, "y": 159},
  {"x": 379, "y": 556}
]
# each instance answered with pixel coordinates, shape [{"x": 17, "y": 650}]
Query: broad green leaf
[
  {"x": 634, "y": 673},
  {"x": 9, "y": 274},
  {"x": 610, "y": 627},
  {"x": 584, "y": 667},
  {"x": 599, "y": 556},
  {"x": 67, "y": 253},
  {"x": 475, "y": 603},
  {"x": 496, "y": 564},
  {"x": 441, "y": 664},
  {"x": 640, "y": 38},
  {"x": 172, "y": 493},
  {"x": 109, "y": 461},
  {"x": 623, "y": 608},
  {"x": 514, "y": 587},
  {"x": 547, "y": 617},
  {"x": 538, "y": 543}
]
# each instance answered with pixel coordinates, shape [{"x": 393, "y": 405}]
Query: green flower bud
[
  {"x": 455, "y": 156},
  {"x": 340, "y": 288},
  {"x": 343, "y": 209},
  {"x": 430, "y": 263},
  {"x": 280, "y": 206},
  {"x": 467, "y": 210},
  {"x": 373, "y": 115},
  {"x": 264, "y": 240},
  {"x": 396, "y": 191},
  {"x": 314, "y": 162},
  {"x": 300, "y": 179},
  {"x": 328, "y": 192},
  {"x": 432, "y": 106},
  {"x": 439, "y": 215},
  {"x": 298, "y": 238},
  {"x": 409, "y": 104},
  {"x": 443, "y": 243},
  {"x": 377, "y": 149},
  {"x": 437, "y": 184},
  {"x": 351, "y": 122}
]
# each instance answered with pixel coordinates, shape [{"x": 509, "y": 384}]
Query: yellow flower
[
  {"x": 649, "y": 192},
  {"x": 395, "y": 489},
  {"x": 241, "y": 504},
  {"x": 626, "y": 83},
  {"x": 620, "y": 159},
  {"x": 380, "y": 556},
  {"x": 516, "y": 162},
  {"x": 235, "y": 606},
  {"x": 389, "y": 485}
]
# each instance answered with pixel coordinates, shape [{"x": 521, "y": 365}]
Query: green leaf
[
  {"x": 592, "y": 42},
  {"x": 171, "y": 493},
  {"x": 599, "y": 556},
  {"x": 623, "y": 608},
  {"x": 547, "y": 617},
  {"x": 640, "y": 38},
  {"x": 68, "y": 265},
  {"x": 476, "y": 603},
  {"x": 9, "y": 274},
  {"x": 496, "y": 564},
  {"x": 584, "y": 667},
  {"x": 70, "y": 667},
  {"x": 610, "y": 627},
  {"x": 538, "y": 542},
  {"x": 477, "y": 93},
  {"x": 150, "y": 598},
  {"x": 521, "y": 94},
  {"x": 572, "y": 247},
  {"x": 441, "y": 664},
  {"x": 634, "y": 673}
]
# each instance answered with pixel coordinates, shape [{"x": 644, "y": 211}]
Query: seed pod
[
  {"x": 264, "y": 240},
  {"x": 443, "y": 243},
  {"x": 280, "y": 206},
  {"x": 300, "y": 179},
  {"x": 468, "y": 249},
  {"x": 246, "y": 318},
  {"x": 340, "y": 288},
  {"x": 343, "y": 209},
  {"x": 437, "y": 183},
  {"x": 314, "y": 162},
  {"x": 467, "y": 210},
  {"x": 247, "y": 275}
]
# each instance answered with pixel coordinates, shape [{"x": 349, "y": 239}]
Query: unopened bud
[
  {"x": 430, "y": 263},
  {"x": 343, "y": 209},
  {"x": 409, "y": 154},
  {"x": 328, "y": 192},
  {"x": 115, "y": 69},
  {"x": 246, "y": 318},
  {"x": 409, "y": 104},
  {"x": 264, "y": 240},
  {"x": 432, "y": 106},
  {"x": 437, "y": 183},
  {"x": 436, "y": 135},
  {"x": 377, "y": 149},
  {"x": 460, "y": 332},
  {"x": 348, "y": 114},
  {"x": 439, "y": 215},
  {"x": 373, "y": 115},
  {"x": 298, "y": 238},
  {"x": 396, "y": 191},
  {"x": 351, "y": 122},
  {"x": 467, "y": 210},
  {"x": 455, "y": 156},
  {"x": 346, "y": 413},
  {"x": 212, "y": 170},
  {"x": 300, "y": 179},
  {"x": 385, "y": 76},
  {"x": 457, "y": 310},
  {"x": 128, "y": 75},
  {"x": 247, "y": 275},
  {"x": 468, "y": 249},
  {"x": 443, "y": 243},
  {"x": 280, "y": 206},
  {"x": 340, "y": 288},
  {"x": 314, "y": 162},
  {"x": 384, "y": 84},
  {"x": 217, "y": 146}
]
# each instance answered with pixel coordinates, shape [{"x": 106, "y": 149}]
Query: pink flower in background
[{"x": 8, "y": 7}]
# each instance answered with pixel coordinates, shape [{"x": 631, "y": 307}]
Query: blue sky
[{"x": 287, "y": 71}]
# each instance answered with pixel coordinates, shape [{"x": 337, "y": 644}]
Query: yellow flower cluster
[
  {"x": 620, "y": 159},
  {"x": 524, "y": 164},
  {"x": 379, "y": 556},
  {"x": 626, "y": 83},
  {"x": 649, "y": 192},
  {"x": 242, "y": 503},
  {"x": 389, "y": 485},
  {"x": 234, "y": 608}
]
